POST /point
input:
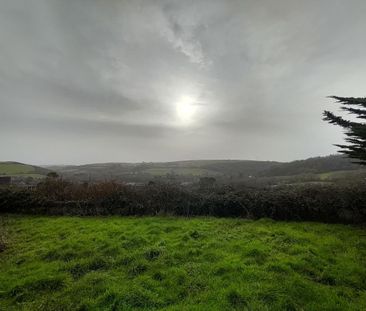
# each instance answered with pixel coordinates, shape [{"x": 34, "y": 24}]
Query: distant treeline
[{"x": 325, "y": 203}]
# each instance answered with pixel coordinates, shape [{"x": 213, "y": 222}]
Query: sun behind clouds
[{"x": 186, "y": 109}]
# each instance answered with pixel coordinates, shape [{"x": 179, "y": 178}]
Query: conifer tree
[{"x": 355, "y": 131}]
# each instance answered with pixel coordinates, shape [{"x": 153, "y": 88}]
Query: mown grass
[{"x": 70, "y": 263}]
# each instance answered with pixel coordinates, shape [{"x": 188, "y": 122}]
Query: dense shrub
[{"x": 327, "y": 203}]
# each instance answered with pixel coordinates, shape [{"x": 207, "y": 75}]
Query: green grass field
[
  {"x": 19, "y": 169},
  {"x": 184, "y": 171},
  {"x": 70, "y": 263},
  {"x": 9, "y": 168},
  {"x": 351, "y": 174}
]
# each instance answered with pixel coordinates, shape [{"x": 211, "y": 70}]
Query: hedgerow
[{"x": 326, "y": 203}]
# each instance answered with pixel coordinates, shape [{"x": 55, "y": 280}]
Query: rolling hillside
[
  {"x": 145, "y": 170},
  {"x": 327, "y": 168},
  {"x": 19, "y": 169},
  {"x": 198, "y": 168},
  {"x": 316, "y": 165}
]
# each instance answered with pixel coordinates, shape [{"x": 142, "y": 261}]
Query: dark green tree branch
[{"x": 355, "y": 132}]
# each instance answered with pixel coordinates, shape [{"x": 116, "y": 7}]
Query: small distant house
[{"x": 5, "y": 180}]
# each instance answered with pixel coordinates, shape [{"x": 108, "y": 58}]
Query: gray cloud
[{"x": 85, "y": 81}]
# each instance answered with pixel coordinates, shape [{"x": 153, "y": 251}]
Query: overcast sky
[{"x": 125, "y": 81}]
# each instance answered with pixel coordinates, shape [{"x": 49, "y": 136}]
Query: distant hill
[
  {"x": 314, "y": 165},
  {"x": 146, "y": 170},
  {"x": 197, "y": 168},
  {"x": 241, "y": 167},
  {"x": 17, "y": 169}
]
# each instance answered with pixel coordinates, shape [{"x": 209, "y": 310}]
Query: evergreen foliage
[{"x": 355, "y": 131}]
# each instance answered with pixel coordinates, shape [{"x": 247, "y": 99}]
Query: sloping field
[
  {"x": 12, "y": 168},
  {"x": 65, "y": 263},
  {"x": 243, "y": 168},
  {"x": 20, "y": 169},
  {"x": 180, "y": 171}
]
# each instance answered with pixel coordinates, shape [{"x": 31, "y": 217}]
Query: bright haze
[{"x": 129, "y": 81}]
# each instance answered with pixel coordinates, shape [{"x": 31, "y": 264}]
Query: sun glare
[{"x": 186, "y": 109}]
